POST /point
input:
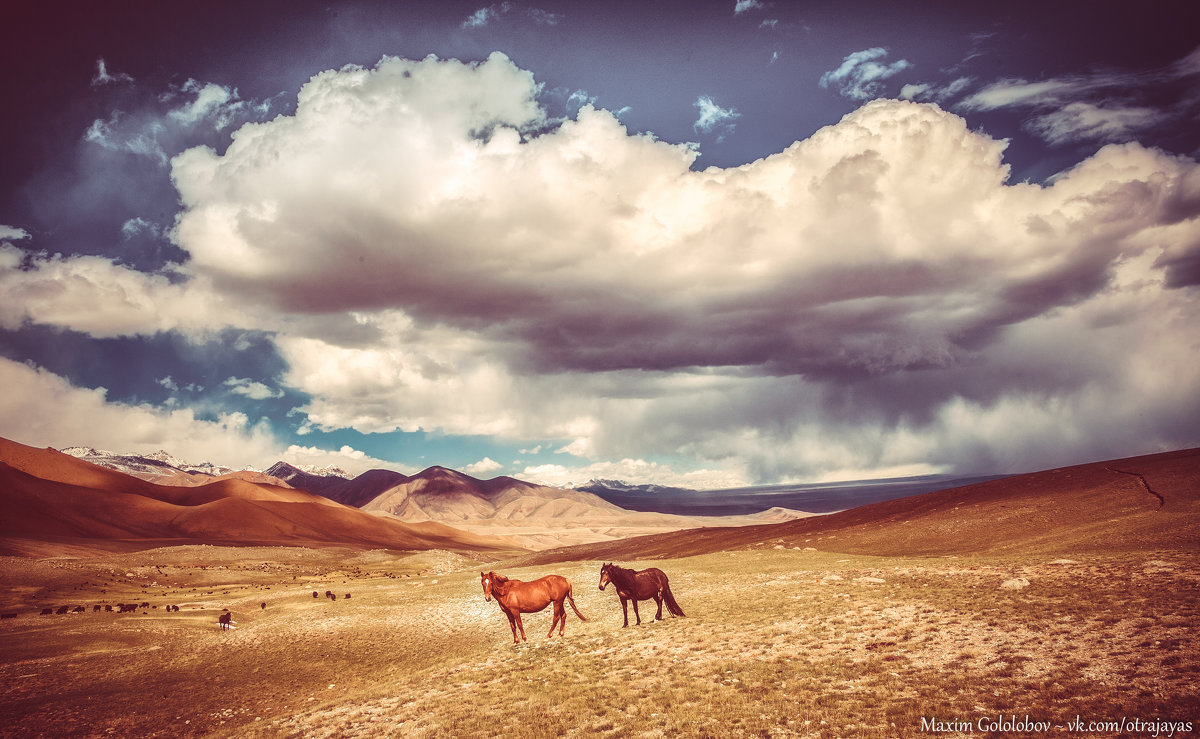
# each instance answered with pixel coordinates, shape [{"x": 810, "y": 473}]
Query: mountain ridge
[{"x": 52, "y": 502}]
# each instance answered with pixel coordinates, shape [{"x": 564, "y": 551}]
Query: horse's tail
[
  {"x": 572, "y": 602},
  {"x": 669, "y": 599}
]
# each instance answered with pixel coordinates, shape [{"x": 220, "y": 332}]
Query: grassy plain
[{"x": 777, "y": 642}]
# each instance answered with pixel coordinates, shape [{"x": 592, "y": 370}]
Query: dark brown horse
[
  {"x": 641, "y": 585},
  {"x": 516, "y": 597}
]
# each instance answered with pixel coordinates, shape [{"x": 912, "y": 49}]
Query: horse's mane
[{"x": 621, "y": 572}]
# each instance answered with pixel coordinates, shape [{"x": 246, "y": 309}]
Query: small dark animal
[
  {"x": 145, "y": 605},
  {"x": 79, "y": 609},
  {"x": 516, "y": 597},
  {"x": 108, "y": 609},
  {"x": 8, "y": 615},
  {"x": 263, "y": 606},
  {"x": 641, "y": 585},
  {"x": 61, "y": 610},
  {"x": 127, "y": 607},
  {"x": 315, "y": 594},
  {"x": 225, "y": 620},
  {"x": 47, "y": 611},
  {"x": 95, "y": 609},
  {"x": 330, "y": 595},
  {"x": 347, "y": 597}
]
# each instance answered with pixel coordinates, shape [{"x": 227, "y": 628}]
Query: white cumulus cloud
[{"x": 428, "y": 252}]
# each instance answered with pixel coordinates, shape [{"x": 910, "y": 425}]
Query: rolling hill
[
  {"x": 50, "y": 502},
  {"x": 1147, "y": 503}
]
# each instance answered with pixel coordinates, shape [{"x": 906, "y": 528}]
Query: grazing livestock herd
[
  {"x": 96, "y": 608},
  {"x": 224, "y": 621}
]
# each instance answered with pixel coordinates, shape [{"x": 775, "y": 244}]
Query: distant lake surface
[{"x": 813, "y": 498}]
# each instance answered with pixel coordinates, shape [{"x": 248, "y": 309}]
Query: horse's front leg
[
  {"x": 658, "y": 598},
  {"x": 512, "y": 623},
  {"x": 521, "y": 626},
  {"x": 625, "y": 610},
  {"x": 635, "y": 611}
]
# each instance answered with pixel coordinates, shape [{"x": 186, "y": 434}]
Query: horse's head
[
  {"x": 486, "y": 581},
  {"x": 604, "y": 575}
]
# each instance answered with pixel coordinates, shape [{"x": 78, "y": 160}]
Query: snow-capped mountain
[{"x": 160, "y": 466}]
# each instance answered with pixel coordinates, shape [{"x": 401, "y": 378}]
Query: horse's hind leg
[
  {"x": 658, "y": 599},
  {"x": 558, "y": 615}
]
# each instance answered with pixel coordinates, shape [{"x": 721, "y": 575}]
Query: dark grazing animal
[
  {"x": 47, "y": 611},
  {"x": 95, "y": 609},
  {"x": 347, "y": 597},
  {"x": 516, "y": 597},
  {"x": 263, "y": 606},
  {"x": 225, "y": 620},
  {"x": 641, "y": 585},
  {"x": 8, "y": 615},
  {"x": 61, "y": 610},
  {"x": 108, "y": 609},
  {"x": 314, "y": 594}
]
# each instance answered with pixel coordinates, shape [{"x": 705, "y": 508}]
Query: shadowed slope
[{"x": 1144, "y": 503}]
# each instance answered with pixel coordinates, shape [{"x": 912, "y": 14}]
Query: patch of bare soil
[{"x": 776, "y": 643}]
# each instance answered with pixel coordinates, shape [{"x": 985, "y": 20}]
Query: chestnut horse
[
  {"x": 516, "y": 597},
  {"x": 641, "y": 585}
]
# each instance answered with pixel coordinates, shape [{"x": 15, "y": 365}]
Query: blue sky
[{"x": 699, "y": 244}]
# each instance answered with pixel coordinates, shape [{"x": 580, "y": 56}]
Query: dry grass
[{"x": 776, "y": 643}]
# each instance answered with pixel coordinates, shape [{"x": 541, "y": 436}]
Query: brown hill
[
  {"x": 50, "y": 500},
  {"x": 362, "y": 489},
  {"x": 441, "y": 494},
  {"x": 1148, "y": 503}
]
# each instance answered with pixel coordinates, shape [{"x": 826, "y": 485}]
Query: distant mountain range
[
  {"x": 521, "y": 514},
  {"x": 811, "y": 497},
  {"x": 53, "y": 503}
]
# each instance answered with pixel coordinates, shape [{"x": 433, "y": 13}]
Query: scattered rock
[
  {"x": 1017, "y": 583},
  {"x": 1063, "y": 562},
  {"x": 869, "y": 579}
]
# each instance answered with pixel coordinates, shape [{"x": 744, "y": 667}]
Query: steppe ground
[{"x": 777, "y": 642}]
